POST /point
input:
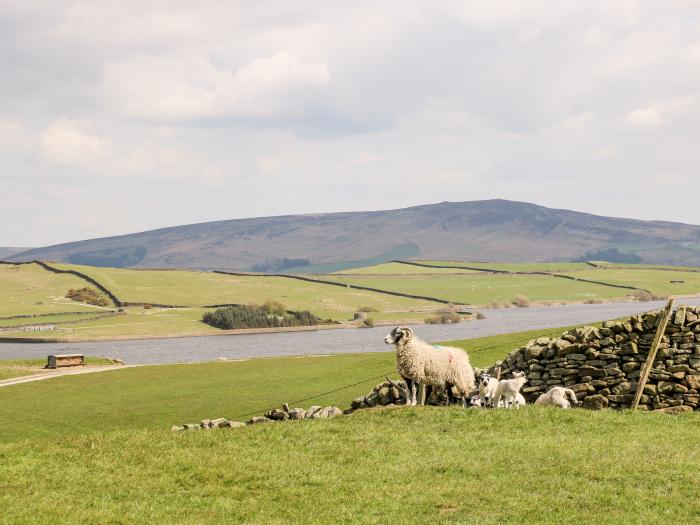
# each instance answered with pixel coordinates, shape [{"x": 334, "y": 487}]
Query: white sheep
[
  {"x": 488, "y": 387},
  {"x": 557, "y": 396},
  {"x": 418, "y": 362},
  {"x": 508, "y": 390}
]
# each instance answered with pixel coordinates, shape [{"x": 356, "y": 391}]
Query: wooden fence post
[{"x": 660, "y": 331}]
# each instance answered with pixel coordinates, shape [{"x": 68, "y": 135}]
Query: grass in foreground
[
  {"x": 156, "y": 397},
  {"x": 404, "y": 465}
]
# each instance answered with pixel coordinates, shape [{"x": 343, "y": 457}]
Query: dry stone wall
[{"x": 603, "y": 365}]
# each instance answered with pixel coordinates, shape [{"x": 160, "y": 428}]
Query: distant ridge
[
  {"x": 492, "y": 230},
  {"x": 6, "y": 252}
]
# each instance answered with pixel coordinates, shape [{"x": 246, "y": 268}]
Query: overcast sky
[{"x": 117, "y": 117}]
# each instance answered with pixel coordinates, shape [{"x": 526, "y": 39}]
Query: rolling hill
[
  {"x": 6, "y": 251},
  {"x": 491, "y": 230}
]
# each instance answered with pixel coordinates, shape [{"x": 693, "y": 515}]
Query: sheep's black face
[{"x": 398, "y": 334}]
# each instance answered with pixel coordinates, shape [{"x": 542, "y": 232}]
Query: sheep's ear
[{"x": 407, "y": 333}]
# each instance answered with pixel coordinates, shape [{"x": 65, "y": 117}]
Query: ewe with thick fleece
[
  {"x": 488, "y": 387},
  {"x": 508, "y": 390},
  {"x": 418, "y": 362},
  {"x": 557, "y": 396}
]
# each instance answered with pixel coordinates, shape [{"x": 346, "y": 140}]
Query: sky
[{"x": 124, "y": 116}]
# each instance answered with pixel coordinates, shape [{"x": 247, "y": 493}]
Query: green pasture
[
  {"x": 481, "y": 289},
  {"x": 191, "y": 288},
  {"x": 656, "y": 281},
  {"x": 48, "y": 319},
  {"x": 29, "y": 289},
  {"x": 394, "y": 268},
  {"x": 396, "y": 465},
  {"x": 552, "y": 267}
]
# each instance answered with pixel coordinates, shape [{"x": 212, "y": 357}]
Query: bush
[
  {"x": 521, "y": 301},
  {"x": 367, "y": 309},
  {"x": 368, "y": 322},
  {"x": 642, "y": 296},
  {"x": 446, "y": 315},
  {"x": 480, "y": 315},
  {"x": 593, "y": 301},
  {"x": 256, "y": 316},
  {"x": 275, "y": 307},
  {"x": 87, "y": 295}
]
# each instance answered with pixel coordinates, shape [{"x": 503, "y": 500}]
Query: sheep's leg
[
  {"x": 448, "y": 387},
  {"x": 414, "y": 393},
  {"x": 428, "y": 393},
  {"x": 409, "y": 388}
]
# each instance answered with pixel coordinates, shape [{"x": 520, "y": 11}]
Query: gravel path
[{"x": 194, "y": 349}]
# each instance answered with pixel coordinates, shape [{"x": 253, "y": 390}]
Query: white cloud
[
  {"x": 644, "y": 117},
  {"x": 184, "y": 88},
  {"x": 71, "y": 142}
]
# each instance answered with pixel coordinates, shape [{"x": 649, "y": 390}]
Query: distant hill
[
  {"x": 491, "y": 230},
  {"x": 6, "y": 252}
]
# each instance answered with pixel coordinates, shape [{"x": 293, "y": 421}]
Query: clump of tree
[
  {"x": 368, "y": 322},
  {"x": 446, "y": 315},
  {"x": 269, "y": 315},
  {"x": 87, "y": 295}
]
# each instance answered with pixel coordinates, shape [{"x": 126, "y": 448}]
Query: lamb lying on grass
[
  {"x": 558, "y": 396},
  {"x": 418, "y": 362},
  {"x": 509, "y": 389}
]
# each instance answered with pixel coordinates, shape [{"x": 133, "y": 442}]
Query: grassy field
[
  {"x": 29, "y": 289},
  {"x": 201, "y": 288},
  {"x": 553, "y": 267},
  {"x": 394, "y": 268},
  {"x": 105, "y": 451},
  {"x": 49, "y": 318},
  {"x": 656, "y": 281},
  {"x": 405, "y": 465},
  {"x": 481, "y": 289}
]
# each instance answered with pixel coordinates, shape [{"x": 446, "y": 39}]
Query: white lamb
[
  {"x": 418, "y": 362},
  {"x": 558, "y": 396},
  {"x": 508, "y": 390},
  {"x": 488, "y": 387},
  {"x": 475, "y": 402}
]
